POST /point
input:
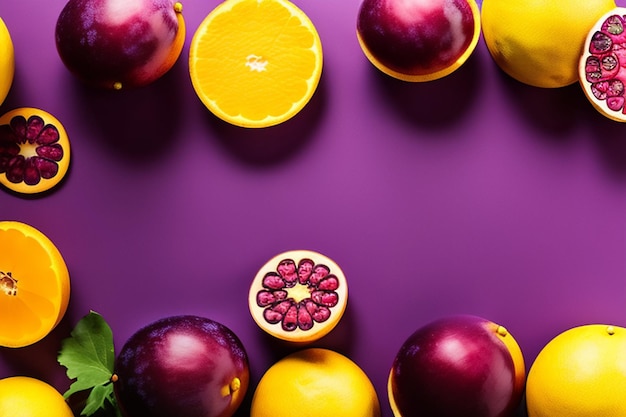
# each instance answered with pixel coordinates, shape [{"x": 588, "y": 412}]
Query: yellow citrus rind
[
  {"x": 538, "y": 42},
  {"x": 22, "y": 396},
  {"x": 255, "y": 63},
  {"x": 579, "y": 373},
  {"x": 7, "y": 61},
  {"x": 34, "y": 285},
  {"x": 315, "y": 382},
  {"x": 44, "y": 184}
]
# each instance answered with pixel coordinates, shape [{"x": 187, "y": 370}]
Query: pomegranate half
[
  {"x": 298, "y": 296},
  {"x": 602, "y": 66}
]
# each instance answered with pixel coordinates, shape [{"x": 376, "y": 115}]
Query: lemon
[
  {"x": 539, "y": 42},
  {"x": 7, "y": 61},
  {"x": 580, "y": 373},
  {"x": 315, "y": 382},
  {"x": 22, "y": 396}
]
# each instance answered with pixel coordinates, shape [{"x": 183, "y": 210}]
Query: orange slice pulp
[
  {"x": 34, "y": 285},
  {"x": 255, "y": 63},
  {"x": 34, "y": 150}
]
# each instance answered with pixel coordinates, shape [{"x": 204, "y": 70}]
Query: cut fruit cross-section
[
  {"x": 255, "y": 63},
  {"x": 602, "y": 67},
  {"x": 298, "y": 296},
  {"x": 34, "y": 151},
  {"x": 34, "y": 285}
]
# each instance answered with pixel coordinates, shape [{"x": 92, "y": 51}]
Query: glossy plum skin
[
  {"x": 416, "y": 37},
  {"x": 119, "y": 43},
  {"x": 454, "y": 367},
  {"x": 181, "y": 366}
]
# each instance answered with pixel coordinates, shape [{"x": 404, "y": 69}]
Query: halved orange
[
  {"x": 34, "y": 285},
  {"x": 255, "y": 63},
  {"x": 34, "y": 150}
]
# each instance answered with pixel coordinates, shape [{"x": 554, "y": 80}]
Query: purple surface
[{"x": 472, "y": 194}]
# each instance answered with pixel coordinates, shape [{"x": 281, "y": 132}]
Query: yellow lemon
[
  {"x": 580, "y": 373},
  {"x": 7, "y": 61},
  {"x": 22, "y": 396},
  {"x": 255, "y": 63},
  {"x": 315, "y": 382},
  {"x": 539, "y": 42}
]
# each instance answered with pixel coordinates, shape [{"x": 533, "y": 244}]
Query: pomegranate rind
[
  {"x": 597, "y": 79},
  {"x": 435, "y": 75},
  {"x": 318, "y": 329},
  {"x": 44, "y": 184}
]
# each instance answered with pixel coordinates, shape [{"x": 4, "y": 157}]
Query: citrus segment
[
  {"x": 22, "y": 396},
  {"x": 34, "y": 285},
  {"x": 34, "y": 150},
  {"x": 298, "y": 296},
  {"x": 315, "y": 382},
  {"x": 7, "y": 61},
  {"x": 255, "y": 63},
  {"x": 539, "y": 42},
  {"x": 601, "y": 67},
  {"x": 580, "y": 373}
]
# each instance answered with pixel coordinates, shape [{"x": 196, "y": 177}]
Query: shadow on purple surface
[
  {"x": 340, "y": 339},
  {"x": 560, "y": 112},
  {"x": 555, "y": 111},
  {"x": 271, "y": 145},
  {"x": 434, "y": 104},
  {"x": 136, "y": 124},
  {"x": 610, "y": 139}
]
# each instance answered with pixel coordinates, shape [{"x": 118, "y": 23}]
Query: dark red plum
[
  {"x": 120, "y": 43},
  {"x": 418, "y": 40},
  {"x": 181, "y": 366},
  {"x": 458, "y": 366}
]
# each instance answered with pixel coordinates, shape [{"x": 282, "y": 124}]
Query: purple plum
[
  {"x": 418, "y": 40},
  {"x": 120, "y": 43},
  {"x": 457, "y": 366},
  {"x": 181, "y": 366}
]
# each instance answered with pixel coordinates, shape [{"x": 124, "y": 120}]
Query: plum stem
[
  {"x": 502, "y": 331},
  {"x": 235, "y": 384},
  {"x": 610, "y": 330},
  {"x": 114, "y": 378}
]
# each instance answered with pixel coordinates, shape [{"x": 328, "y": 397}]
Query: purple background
[{"x": 471, "y": 194}]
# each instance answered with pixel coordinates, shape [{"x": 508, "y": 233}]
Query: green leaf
[{"x": 89, "y": 356}]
